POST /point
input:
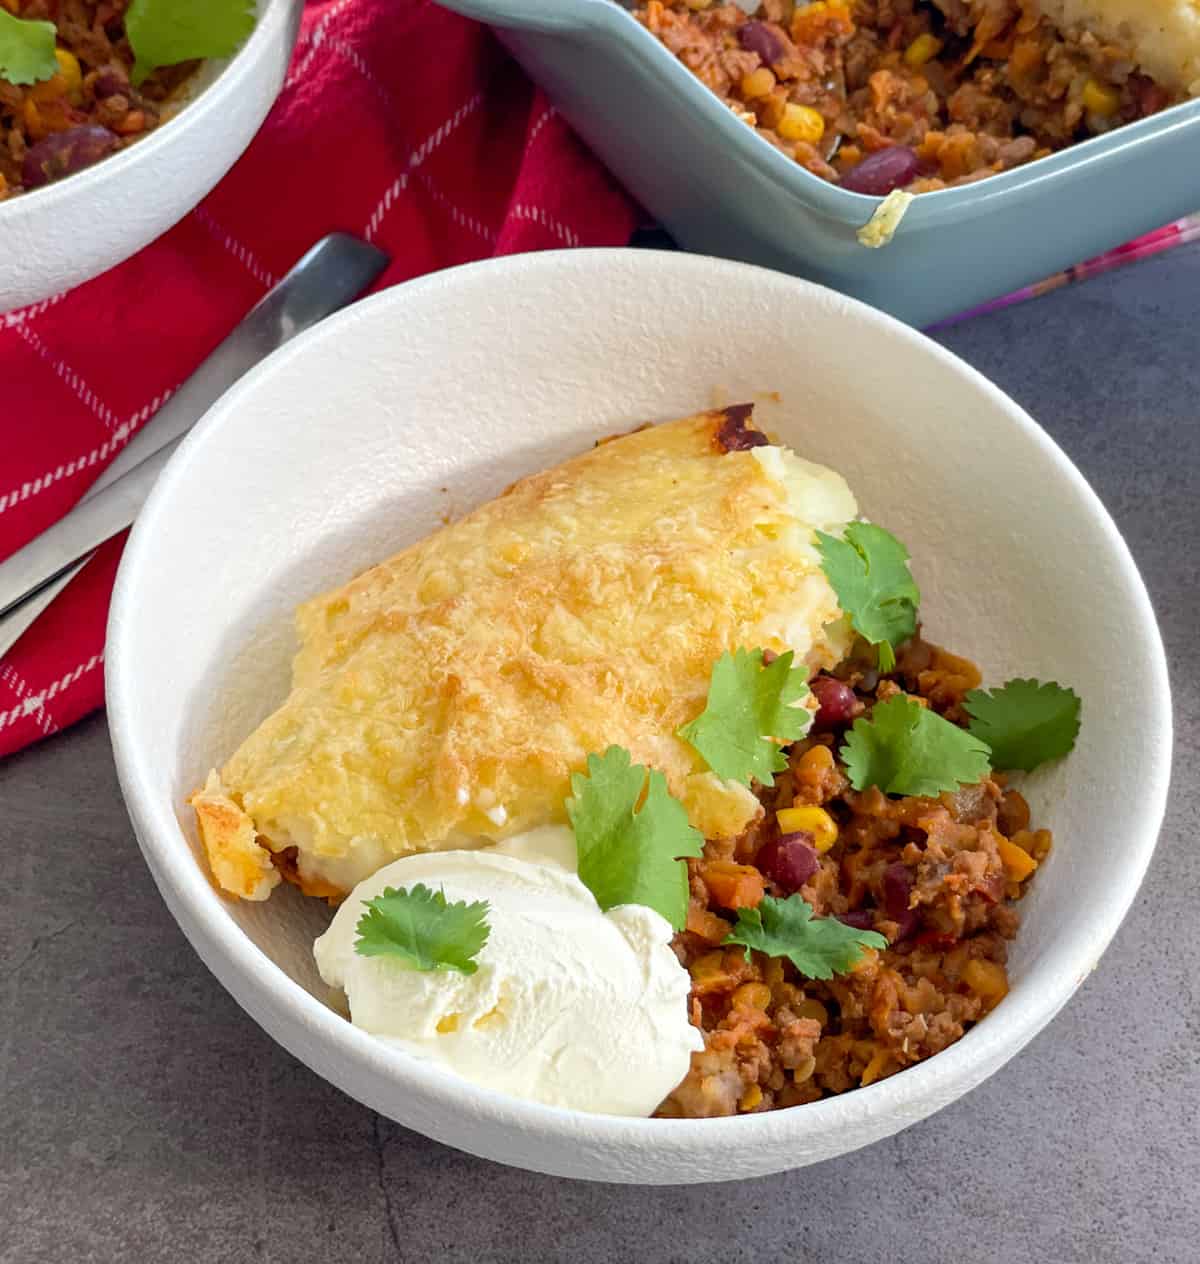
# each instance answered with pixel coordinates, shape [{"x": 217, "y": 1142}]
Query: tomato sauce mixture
[
  {"x": 936, "y": 877},
  {"x": 878, "y": 95}
]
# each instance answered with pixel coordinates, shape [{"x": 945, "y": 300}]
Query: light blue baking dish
[{"x": 720, "y": 189}]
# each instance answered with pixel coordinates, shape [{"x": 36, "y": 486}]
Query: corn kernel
[
  {"x": 447, "y": 1024},
  {"x": 987, "y": 979},
  {"x": 924, "y": 48},
  {"x": 752, "y": 995},
  {"x": 800, "y": 122},
  {"x": 751, "y": 1098},
  {"x": 1018, "y": 863},
  {"x": 757, "y": 83},
  {"x": 816, "y": 759},
  {"x": 72, "y": 73},
  {"x": 1101, "y": 99},
  {"x": 803, "y": 1069},
  {"x": 814, "y": 821}
]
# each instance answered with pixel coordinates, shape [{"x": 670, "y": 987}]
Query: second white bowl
[{"x": 66, "y": 233}]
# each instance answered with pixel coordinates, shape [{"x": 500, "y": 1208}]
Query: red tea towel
[{"x": 400, "y": 122}]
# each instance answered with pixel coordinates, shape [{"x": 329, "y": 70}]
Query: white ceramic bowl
[
  {"x": 353, "y": 440},
  {"x": 66, "y": 233}
]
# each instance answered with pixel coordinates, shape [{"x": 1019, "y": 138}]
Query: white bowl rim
[
  {"x": 195, "y": 113},
  {"x": 905, "y": 1097}
]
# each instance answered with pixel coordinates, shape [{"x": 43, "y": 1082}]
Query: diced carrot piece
[
  {"x": 1018, "y": 863},
  {"x": 715, "y": 972},
  {"x": 731, "y": 885},
  {"x": 1026, "y": 57},
  {"x": 987, "y": 979},
  {"x": 706, "y": 924},
  {"x": 876, "y": 1067},
  {"x": 855, "y": 887}
]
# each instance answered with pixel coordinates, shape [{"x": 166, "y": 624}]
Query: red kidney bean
[
  {"x": 838, "y": 704},
  {"x": 1149, "y": 96},
  {"x": 881, "y": 172},
  {"x": 64, "y": 153},
  {"x": 757, "y": 37},
  {"x": 897, "y": 888},
  {"x": 789, "y": 860},
  {"x": 908, "y": 925},
  {"x": 860, "y": 919}
]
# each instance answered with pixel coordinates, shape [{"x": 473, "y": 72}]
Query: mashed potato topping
[
  {"x": 442, "y": 699},
  {"x": 1163, "y": 35}
]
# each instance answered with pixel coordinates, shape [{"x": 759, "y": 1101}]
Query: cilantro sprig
[
  {"x": 905, "y": 748},
  {"x": 26, "y": 49},
  {"x": 752, "y": 707},
  {"x": 819, "y": 947},
  {"x": 419, "y": 927},
  {"x": 1025, "y": 723},
  {"x": 631, "y": 836},
  {"x": 868, "y": 572},
  {"x": 160, "y": 32},
  {"x": 166, "y": 32}
]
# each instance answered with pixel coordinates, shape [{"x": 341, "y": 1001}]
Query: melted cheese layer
[{"x": 442, "y": 699}]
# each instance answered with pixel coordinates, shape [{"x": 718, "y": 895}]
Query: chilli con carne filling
[
  {"x": 937, "y": 877},
  {"x": 878, "y": 95}
]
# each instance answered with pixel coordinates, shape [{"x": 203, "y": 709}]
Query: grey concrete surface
[{"x": 146, "y": 1118}]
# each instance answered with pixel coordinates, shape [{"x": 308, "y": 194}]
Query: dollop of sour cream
[{"x": 569, "y": 1005}]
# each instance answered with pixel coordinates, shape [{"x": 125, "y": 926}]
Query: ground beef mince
[
  {"x": 936, "y": 877},
  {"x": 88, "y": 109},
  {"x": 954, "y": 89}
]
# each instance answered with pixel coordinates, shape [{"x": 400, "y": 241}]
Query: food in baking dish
[{"x": 878, "y": 95}]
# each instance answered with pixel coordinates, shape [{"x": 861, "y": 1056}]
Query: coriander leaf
[
  {"x": 26, "y": 49},
  {"x": 751, "y": 708},
  {"x": 868, "y": 571},
  {"x": 419, "y": 927},
  {"x": 166, "y": 32},
  {"x": 1024, "y": 722},
  {"x": 819, "y": 947},
  {"x": 904, "y": 748},
  {"x": 630, "y": 854}
]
